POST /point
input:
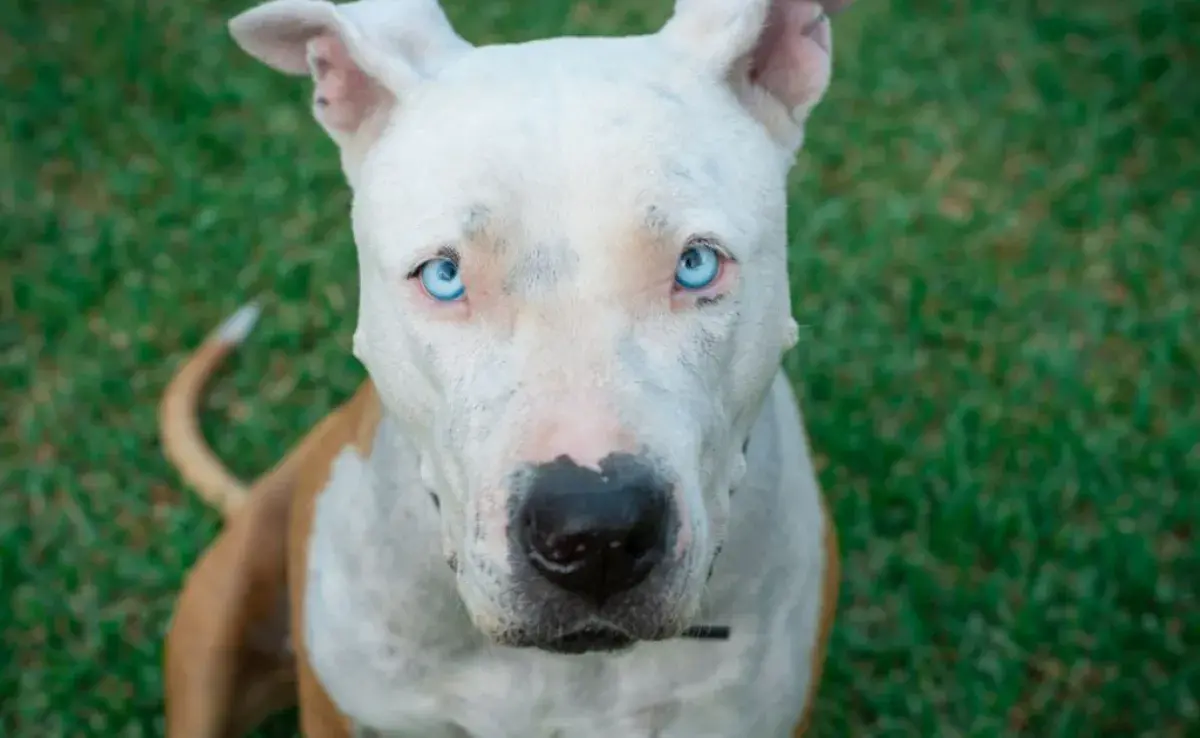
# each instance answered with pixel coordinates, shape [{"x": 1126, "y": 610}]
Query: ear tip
[
  {"x": 276, "y": 13},
  {"x": 715, "y": 31},
  {"x": 276, "y": 32},
  {"x": 242, "y": 26}
]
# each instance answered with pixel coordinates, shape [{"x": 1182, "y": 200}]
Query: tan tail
[{"x": 179, "y": 430}]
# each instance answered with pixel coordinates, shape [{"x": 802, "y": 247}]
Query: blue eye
[
  {"x": 698, "y": 267},
  {"x": 441, "y": 279}
]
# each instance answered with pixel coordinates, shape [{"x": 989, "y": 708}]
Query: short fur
[{"x": 564, "y": 177}]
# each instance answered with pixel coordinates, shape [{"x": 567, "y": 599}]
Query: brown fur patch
[
  {"x": 354, "y": 424},
  {"x": 228, "y": 664},
  {"x": 829, "y": 597},
  {"x": 229, "y": 660}
]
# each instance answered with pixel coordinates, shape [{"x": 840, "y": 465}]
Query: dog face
[{"x": 574, "y": 291}]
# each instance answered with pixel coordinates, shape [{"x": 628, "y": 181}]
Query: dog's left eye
[
  {"x": 441, "y": 279},
  {"x": 699, "y": 266}
]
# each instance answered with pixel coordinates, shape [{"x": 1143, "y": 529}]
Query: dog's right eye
[{"x": 440, "y": 279}]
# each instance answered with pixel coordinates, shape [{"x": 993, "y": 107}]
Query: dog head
[{"x": 574, "y": 291}]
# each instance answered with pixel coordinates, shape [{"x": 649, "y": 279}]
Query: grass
[{"x": 995, "y": 257}]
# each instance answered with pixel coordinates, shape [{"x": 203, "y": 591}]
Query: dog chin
[{"x": 567, "y": 625}]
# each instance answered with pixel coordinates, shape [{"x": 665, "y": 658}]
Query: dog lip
[{"x": 592, "y": 639}]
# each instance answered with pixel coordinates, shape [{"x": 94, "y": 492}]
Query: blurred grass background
[{"x": 994, "y": 239}]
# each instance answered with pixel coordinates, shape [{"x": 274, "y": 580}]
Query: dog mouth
[
  {"x": 603, "y": 639},
  {"x": 592, "y": 639}
]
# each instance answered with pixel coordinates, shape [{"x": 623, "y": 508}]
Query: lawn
[{"x": 996, "y": 264}]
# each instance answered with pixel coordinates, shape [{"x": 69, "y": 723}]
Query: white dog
[{"x": 576, "y": 446}]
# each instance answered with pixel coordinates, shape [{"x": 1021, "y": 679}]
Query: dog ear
[
  {"x": 362, "y": 56},
  {"x": 777, "y": 54}
]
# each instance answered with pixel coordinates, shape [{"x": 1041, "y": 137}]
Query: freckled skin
[
  {"x": 541, "y": 270},
  {"x": 476, "y": 220}
]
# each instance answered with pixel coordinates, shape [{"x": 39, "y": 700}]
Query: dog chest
[{"x": 664, "y": 690}]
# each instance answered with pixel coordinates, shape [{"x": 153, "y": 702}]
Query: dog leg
[{"x": 228, "y": 660}]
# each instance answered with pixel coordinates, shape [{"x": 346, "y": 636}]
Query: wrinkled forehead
[{"x": 581, "y": 139}]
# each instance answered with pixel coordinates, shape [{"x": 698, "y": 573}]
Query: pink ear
[
  {"x": 363, "y": 56},
  {"x": 792, "y": 60},
  {"x": 343, "y": 95},
  {"x": 777, "y": 54}
]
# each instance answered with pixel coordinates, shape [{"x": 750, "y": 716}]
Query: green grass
[{"x": 995, "y": 257}]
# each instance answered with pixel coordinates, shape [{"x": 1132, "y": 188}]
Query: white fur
[
  {"x": 551, "y": 356},
  {"x": 392, "y": 644},
  {"x": 569, "y": 174}
]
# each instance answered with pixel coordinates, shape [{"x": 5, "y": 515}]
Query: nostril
[
  {"x": 647, "y": 534},
  {"x": 551, "y": 544},
  {"x": 594, "y": 533}
]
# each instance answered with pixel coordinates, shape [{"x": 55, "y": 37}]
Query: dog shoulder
[{"x": 353, "y": 427}]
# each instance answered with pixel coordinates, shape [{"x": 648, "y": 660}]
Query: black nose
[{"x": 594, "y": 533}]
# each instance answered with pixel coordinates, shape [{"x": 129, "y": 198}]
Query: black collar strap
[{"x": 707, "y": 633}]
